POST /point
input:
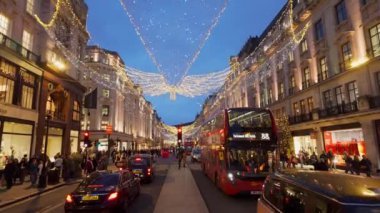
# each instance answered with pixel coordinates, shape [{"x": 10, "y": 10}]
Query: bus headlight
[{"x": 231, "y": 177}]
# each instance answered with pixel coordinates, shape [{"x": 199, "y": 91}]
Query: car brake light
[
  {"x": 138, "y": 159},
  {"x": 148, "y": 171},
  {"x": 113, "y": 196},
  {"x": 69, "y": 199}
]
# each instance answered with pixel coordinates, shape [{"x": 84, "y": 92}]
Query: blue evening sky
[{"x": 111, "y": 29}]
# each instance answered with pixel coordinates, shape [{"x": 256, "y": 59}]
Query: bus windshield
[
  {"x": 249, "y": 160},
  {"x": 241, "y": 120}
]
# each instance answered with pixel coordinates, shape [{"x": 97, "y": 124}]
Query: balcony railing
[
  {"x": 300, "y": 118},
  {"x": 292, "y": 91},
  {"x": 305, "y": 84},
  {"x": 338, "y": 109},
  {"x": 374, "y": 102},
  {"x": 55, "y": 115},
  {"x": 9, "y": 43}
]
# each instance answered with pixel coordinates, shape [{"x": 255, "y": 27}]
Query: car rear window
[{"x": 101, "y": 180}]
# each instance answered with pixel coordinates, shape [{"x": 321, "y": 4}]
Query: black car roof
[{"x": 344, "y": 188}]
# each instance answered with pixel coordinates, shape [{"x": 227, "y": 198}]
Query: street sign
[{"x": 109, "y": 129}]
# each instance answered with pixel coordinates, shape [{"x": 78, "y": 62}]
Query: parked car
[
  {"x": 104, "y": 191},
  {"x": 141, "y": 165},
  {"x": 196, "y": 155},
  {"x": 319, "y": 191}
]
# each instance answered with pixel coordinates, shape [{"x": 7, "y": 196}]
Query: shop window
[
  {"x": 27, "y": 40},
  {"x": 310, "y": 104},
  {"x": 318, "y": 27},
  {"x": 106, "y": 93},
  {"x": 50, "y": 106},
  {"x": 327, "y": 99},
  {"x": 341, "y": 12},
  {"x": 353, "y": 92},
  {"x": 76, "y": 111},
  {"x": 105, "y": 110},
  {"x": 7, "y": 82},
  {"x": 4, "y": 24},
  {"x": 347, "y": 54},
  {"x": 323, "y": 69},
  {"x": 54, "y": 145},
  {"x": 16, "y": 139},
  {"x": 304, "y": 46},
  {"x": 281, "y": 90},
  {"x": 29, "y": 88},
  {"x": 345, "y": 140},
  {"x": 30, "y": 6},
  {"x": 339, "y": 95},
  {"x": 74, "y": 141},
  {"x": 374, "y": 33}
]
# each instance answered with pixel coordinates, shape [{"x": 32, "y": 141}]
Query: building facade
[
  {"x": 321, "y": 70},
  {"x": 120, "y": 105},
  {"x": 37, "y": 80}
]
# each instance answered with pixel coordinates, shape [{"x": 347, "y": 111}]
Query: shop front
[
  {"x": 74, "y": 141},
  {"x": 16, "y": 138},
  {"x": 344, "y": 139},
  {"x": 304, "y": 140},
  {"x": 54, "y": 145}
]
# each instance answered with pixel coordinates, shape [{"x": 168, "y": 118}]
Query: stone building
[{"x": 37, "y": 80}]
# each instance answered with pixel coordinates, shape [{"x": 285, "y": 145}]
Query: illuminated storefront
[
  {"x": 16, "y": 138},
  {"x": 74, "y": 140},
  {"x": 54, "y": 145},
  {"x": 304, "y": 140},
  {"x": 344, "y": 140}
]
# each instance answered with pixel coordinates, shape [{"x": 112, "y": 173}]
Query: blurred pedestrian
[
  {"x": 23, "y": 168},
  {"x": 58, "y": 163},
  {"x": 33, "y": 171},
  {"x": 348, "y": 161},
  {"x": 16, "y": 171},
  {"x": 180, "y": 157},
  {"x": 313, "y": 159},
  {"x": 283, "y": 159},
  {"x": 9, "y": 173},
  {"x": 331, "y": 158},
  {"x": 356, "y": 164},
  {"x": 366, "y": 164}
]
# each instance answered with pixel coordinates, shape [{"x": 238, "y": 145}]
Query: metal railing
[
  {"x": 11, "y": 44},
  {"x": 300, "y": 118},
  {"x": 338, "y": 109},
  {"x": 55, "y": 115}
]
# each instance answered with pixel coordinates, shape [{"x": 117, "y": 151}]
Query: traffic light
[
  {"x": 86, "y": 139},
  {"x": 179, "y": 134}
]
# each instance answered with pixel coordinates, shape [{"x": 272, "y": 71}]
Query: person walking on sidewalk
[
  {"x": 180, "y": 157},
  {"x": 356, "y": 165},
  {"x": 33, "y": 171},
  {"x": 366, "y": 164},
  {"x": 348, "y": 161},
  {"x": 23, "y": 168},
  {"x": 9, "y": 173}
]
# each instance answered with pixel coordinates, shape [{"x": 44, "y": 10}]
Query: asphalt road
[
  {"x": 53, "y": 201},
  {"x": 216, "y": 200}
]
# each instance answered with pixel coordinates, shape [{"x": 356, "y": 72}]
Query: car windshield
[
  {"x": 248, "y": 160},
  {"x": 101, "y": 180}
]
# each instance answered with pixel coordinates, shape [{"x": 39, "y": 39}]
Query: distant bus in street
[{"x": 237, "y": 149}]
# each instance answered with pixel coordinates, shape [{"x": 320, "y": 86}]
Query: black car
[
  {"x": 319, "y": 191},
  {"x": 141, "y": 166},
  {"x": 104, "y": 191}
]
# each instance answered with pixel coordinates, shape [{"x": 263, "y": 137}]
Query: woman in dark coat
[{"x": 9, "y": 172}]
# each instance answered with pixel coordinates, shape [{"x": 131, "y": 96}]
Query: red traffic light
[
  {"x": 179, "y": 129},
  {"x": 86, "y": 134}
]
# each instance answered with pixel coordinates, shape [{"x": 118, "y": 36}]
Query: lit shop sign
[{"x": 252, "y": 136}]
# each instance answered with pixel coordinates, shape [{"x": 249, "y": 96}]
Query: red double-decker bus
[{"x": 237, "y": 149}]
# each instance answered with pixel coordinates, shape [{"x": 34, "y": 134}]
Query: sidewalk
[
  {"x": 20, "y": 192},
  {"x": 180, "y": 193}
]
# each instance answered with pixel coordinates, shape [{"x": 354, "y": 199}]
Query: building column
[{"x": 371, "y": 146}]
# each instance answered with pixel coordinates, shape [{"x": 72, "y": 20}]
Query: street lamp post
[{"x": 42, "y": 178}]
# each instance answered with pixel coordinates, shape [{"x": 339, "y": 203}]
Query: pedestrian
[
  {"x": 9, "y": 173},
  {"x": 58, "y": 163},
  {"x": 313, "y": 159},
  {"x": 282, "y": 159},
  {"x": 89, "y": 166},
  {"x": 331, "y": 158},
  {"x": 301, "y": 157},
  {"x": 23, "y": 168},
  {"x": 348, "y": 161},
  {"x": 16, "y": 171},
  {"x": 356, "y": 165},
  {"x": 184, "y": 159},
  {"x": 95, "y": 163},
  {"x": 33, "y": 171},
  {"x": 179, "y": 157},
  {"x": 39, "y": 170},
  {"x": 366, "y": 164}
]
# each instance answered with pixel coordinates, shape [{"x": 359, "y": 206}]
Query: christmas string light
[
  {"x": 296, "y": 38},
  {"x": 179, "y": 66},
  {"x": 53, "y": 18}
]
